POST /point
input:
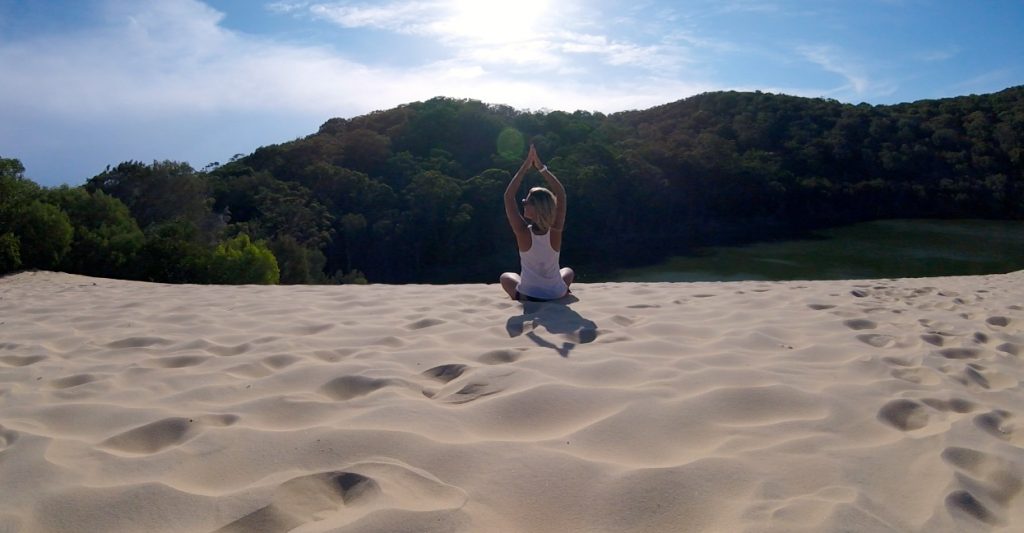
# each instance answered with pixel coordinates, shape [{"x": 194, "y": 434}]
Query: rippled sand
[{"x": 883, "y": 405}]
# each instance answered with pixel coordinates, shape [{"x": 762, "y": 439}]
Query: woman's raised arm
[
  {"x": 556, "y": 188},
  {"x": 515, "y": 219}
]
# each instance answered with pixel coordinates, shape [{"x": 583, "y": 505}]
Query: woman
[{"x": 538, "y": 232}]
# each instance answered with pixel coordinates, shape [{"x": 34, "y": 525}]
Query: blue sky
[{"x": 90, "y": 83}]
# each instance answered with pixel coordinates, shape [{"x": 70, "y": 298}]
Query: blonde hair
[{"x": 544, "y": 205}]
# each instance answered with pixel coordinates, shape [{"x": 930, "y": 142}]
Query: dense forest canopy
[{"x": 413, "y": 194}]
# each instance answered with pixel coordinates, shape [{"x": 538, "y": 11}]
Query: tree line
[{"x": 413, "y": 194}]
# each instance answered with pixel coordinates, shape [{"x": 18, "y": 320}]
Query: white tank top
[{"x": 540, "y": 275}]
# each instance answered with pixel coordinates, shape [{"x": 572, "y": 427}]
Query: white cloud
[
  {"x": 832, "y": 61},
  {"x": 402, "y": 17},
  {"x": 159, "y": 62},
  {"x": 746, "y": 6},
  {"x": 286, "y": 7},
  {"x": 658, "y": 57},
  {"x": 992, "y": 80},
  {"x": 516, "y": 33},
  {"x": 939, "y": 54},
  {"x": 153, "y": 74},
  {"x": 456, "y": 22},
  {"x": 166, "y": 79},
  {"x": 175, "y": 59}
]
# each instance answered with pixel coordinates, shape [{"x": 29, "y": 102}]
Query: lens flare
[{"x": 510, "y": 143}]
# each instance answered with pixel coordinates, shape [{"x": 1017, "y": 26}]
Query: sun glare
[{"x": 499, "y": 21}]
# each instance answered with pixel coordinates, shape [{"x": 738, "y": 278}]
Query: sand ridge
[{"x": 868, "y": 405}]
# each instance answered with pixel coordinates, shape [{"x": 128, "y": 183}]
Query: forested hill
[{"x": 413, "y": 194}]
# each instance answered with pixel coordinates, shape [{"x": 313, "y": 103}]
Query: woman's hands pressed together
[{"x": 533, "y": 158}]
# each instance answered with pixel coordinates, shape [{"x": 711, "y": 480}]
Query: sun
[{"x": 498, "y": 21}]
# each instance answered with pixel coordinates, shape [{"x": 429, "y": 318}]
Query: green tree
[
  {"x": 10, "y": 253},
  {"x": 365, "y": 150},
  {"x": 298, "y": 264},
  {"x": 162, "y": 192},
  {"x": 173, "y": 252},
  {"x": 712, "y": 168},
  {"x": 433, "y": 211},
  {"x": 44, "y": 232},
  {"x": 15, "y": 192},
  {"x": 354, "y": 234},
  {"x": 106, "y": 237},
  {"x": 240, "y": 261}
]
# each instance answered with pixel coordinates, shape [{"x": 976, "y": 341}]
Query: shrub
[
  {"x": 10, "y": 254},
  {"x": 240, "y": 261},
  {"x": 44, "y": 232}
]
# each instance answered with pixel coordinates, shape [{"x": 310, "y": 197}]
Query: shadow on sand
[{"x": 558, "y": 319}]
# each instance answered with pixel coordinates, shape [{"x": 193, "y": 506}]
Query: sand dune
[{"x": 881, "y": 405}]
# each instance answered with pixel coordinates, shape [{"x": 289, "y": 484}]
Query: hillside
[{"x": 413, "y": 194}]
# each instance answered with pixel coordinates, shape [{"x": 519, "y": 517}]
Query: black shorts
[{"x": 525, "y": 297}]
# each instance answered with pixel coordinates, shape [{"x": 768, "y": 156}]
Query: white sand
[{"x": 887, "y": 405}]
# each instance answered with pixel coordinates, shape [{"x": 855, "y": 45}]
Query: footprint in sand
[
  {"x": 306, "y": 498},
  {"x": 472, "y": 391},
  {"x": 390, "y": 341},
  {"x": 480, "y": 384},
  {"x": 344, "y": 496},
  {"x": 979, "y": 464},
  {"x": 499, "y": 357},
  {"x": 990, "y": 484},
  {"x": 860, "y": 324},
  {"x": 997, "y": 424},
  {"x": 623, "y": 321},
  {"x": 878, "y": 341},
  {"x": 1010, "y": 348},
  {"x": 7, "y": 437},
  {"x": 229, "y": 351},
  {"x": 998, "y": 321},
  {"x": 18, "y": 361},
  {"x": 960, "y": 353},
  {"x": 933, "y": 339},
  {"x": 904, "y": 415},
  {"x": 310, "y": 329},
  {"x": 249, "y": 370},
  {"x": 333, "y": 356},
  {"x": 424, "y": 323},
  {"x": 73, "y": 381},
  {"x": 138, "y": 342},
  {"x": 163, "y": 434},
  {"x": 821, "y": 307},
  {"x": 348, "y": 387},
  {"x": 280, "y": 361},
  {"x": 446, "y": 373},
  {"x": 988, "y": 379},
  {"x": 962, "y": 501},
  {"x": 897, "y": 361},
  {"x": 956, "y": 405},
  {"x": 919, "y": 375},
  {"x": 180, "y": 361}
]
